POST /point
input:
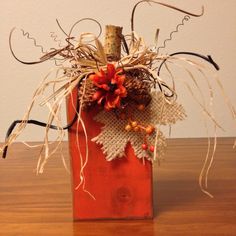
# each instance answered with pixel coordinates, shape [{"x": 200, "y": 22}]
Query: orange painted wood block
[{"x": 122, "y": 188}]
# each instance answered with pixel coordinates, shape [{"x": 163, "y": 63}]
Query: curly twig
[
  {"x": 54, "y": 36},
  {"x": 14, "y": 55},
  {"x": 162, "y": 4},
  {"x": 28, "y": 36},
  {"x": 83, "y": 19},
  {"x": 186, "y": 18}
]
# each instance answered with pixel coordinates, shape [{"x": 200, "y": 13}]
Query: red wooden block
[{"x": 122, "y": 187}]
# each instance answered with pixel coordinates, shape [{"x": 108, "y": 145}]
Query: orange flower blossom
[{"x": 110, "y": 87}]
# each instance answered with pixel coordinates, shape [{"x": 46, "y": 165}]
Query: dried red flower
[{"x": 110, "y": 87}]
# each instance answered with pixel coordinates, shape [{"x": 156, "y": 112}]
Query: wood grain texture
[
  {"x": 122, "y": 187},
  {"x": 41, "y": 205}
]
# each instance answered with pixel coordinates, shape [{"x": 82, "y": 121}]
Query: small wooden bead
[
  {"x": 128, "y": 127},
  {"x": 134, "y": 123},
  {"x": 149, "y": 129}
]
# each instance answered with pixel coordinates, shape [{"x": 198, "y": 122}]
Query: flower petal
[
  {"x": 123, "y": 91},
  {"x": 112, "y": 101},
  {"x": 110, "y": 84},
  {"x": 101, "y": 99},
  {"x": 105, "y": 87},
  {"x": 120, "y": 79},
  {"x": 110, "y": 71},
  {"x": 100, "y": 78},
  {"x": 117, "y": 91}
]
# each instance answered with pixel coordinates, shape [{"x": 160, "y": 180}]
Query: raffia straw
[
  {"x": 64, "y": 161},
  {"x": 60, "y": 94},
  {"x": 54, "y": 115},
  {"x": 220, "y": 85},
  {"x": 21, "y": 126},
  {"x": 33, "y": 146},
  {"x": 207, "y": 166},
  {"x": 61, "y": 147},
  {"x": 203, "y": 177},
  {"x": 203, "y": 173},
  {"x": 208, "y": 162},
  {"x": 82, "y": 163},
  {"x": 50, "y": 143},
  {"x": 61, "y": 133},
  {"x": 212, "y": 158},
  {"x": 172, "y": 79},
  {"x": 203, "y": 107}
]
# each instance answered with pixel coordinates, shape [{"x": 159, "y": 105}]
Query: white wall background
[{"x": 213, "y": 34}]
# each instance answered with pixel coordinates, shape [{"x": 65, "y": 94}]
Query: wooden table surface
[{"x": 41, "y": 205}]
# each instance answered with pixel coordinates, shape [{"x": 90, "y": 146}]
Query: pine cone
[
  {"x": 138, "y": 90},
  {"x": 86, "y": 96}
]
